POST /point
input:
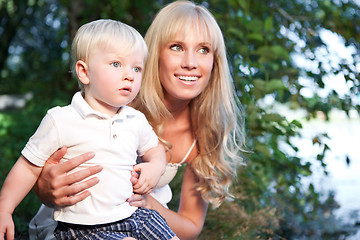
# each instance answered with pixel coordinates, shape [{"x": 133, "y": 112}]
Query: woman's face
[{"x": 185, "y": 65}]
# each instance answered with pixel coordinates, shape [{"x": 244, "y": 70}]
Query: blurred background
[{"x": 296, "y": 67}]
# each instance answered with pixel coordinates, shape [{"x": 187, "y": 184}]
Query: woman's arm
[
  {"x": 188, "y": 222},
  {"x": 56, "y": 187}
]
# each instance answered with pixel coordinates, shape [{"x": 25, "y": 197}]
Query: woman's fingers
[
  {"x": 74, "y": 162},
  {"x": 71, "y": 194},
  {"x": 56, "y": 186},
  {"x": 71, "y": 199},
  {"x": 78, "y": 176},
  {"x": 57, "y": 156},
  {"x": 137, "y": 200},
  {"x": 74, "y": 189}
]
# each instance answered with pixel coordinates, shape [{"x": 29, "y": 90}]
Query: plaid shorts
[{"x": 142, "y": 224}]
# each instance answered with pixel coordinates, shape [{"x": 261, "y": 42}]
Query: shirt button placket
[{"x": 114, "y": 136}]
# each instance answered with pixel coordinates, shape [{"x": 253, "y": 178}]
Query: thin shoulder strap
[{"x": 189, "y": 151}]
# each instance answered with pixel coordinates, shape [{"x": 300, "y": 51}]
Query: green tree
[{"x": 263, "y": 39}]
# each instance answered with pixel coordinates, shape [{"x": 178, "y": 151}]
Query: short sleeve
[
  {"x": 43, "y": 143},
  {"x": 147, "y": 136}
]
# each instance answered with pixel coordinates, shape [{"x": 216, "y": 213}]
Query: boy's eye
[
  {"x": 176, "y": 47},
  {"x": 137, "y": 69},
  {"x": 116, "y": 64}
]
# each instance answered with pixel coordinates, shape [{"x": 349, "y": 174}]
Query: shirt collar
[{"x": 83, "y": 108}]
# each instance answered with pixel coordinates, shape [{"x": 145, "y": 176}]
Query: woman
[{"x": 187, "y": 94}]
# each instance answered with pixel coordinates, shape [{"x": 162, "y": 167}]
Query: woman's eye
[
  {"x": 176, "y": 47},
  {"x": 116, "y": 64},
  {"x": 204, "y": 50},
  {"x": 137, "y": 69}
]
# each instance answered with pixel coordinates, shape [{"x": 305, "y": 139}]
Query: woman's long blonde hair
[{"x": 215, "y": 114}]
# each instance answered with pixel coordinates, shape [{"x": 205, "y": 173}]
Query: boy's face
[{"x": 114, "y": 78}]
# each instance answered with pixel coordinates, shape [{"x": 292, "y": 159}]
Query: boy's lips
[
  {"x": 128, "y": 88},
  {"x": 125, "y": 91}
]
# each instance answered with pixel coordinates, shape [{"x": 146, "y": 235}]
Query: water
[{"x": 343, "y": 177}]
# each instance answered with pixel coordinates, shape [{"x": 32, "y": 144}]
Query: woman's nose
[{"x": 190, "y": 60}]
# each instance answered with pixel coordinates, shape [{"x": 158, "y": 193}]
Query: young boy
[{"x": 108, "y": 58}]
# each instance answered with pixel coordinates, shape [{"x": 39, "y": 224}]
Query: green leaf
[
  {"x": 273, "y": 117},
  {"x": 262, "y": 149},
  {"x": 280, "y": 52},
  {"x": 243, "y": 4},
  {"x": 236, "y": 32},
  {"x": 274, "y": 85},
  {"x": 296, "y": 123},
  {"x": 268, "y": 25},
  {"x": 255, "y": 36}
]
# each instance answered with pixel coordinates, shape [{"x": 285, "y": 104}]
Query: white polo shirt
[{"x": 116, "y": 141}]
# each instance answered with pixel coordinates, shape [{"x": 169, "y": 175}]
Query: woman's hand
[
  {"x": 56, "y": 188},
  {"x": 137, "y": 200}
]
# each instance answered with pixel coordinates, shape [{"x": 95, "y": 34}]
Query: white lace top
[{"x": 162, "y": 192}]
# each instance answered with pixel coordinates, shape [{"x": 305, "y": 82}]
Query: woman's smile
[
  {"x": 187, "y": 78},
  {"x": 185, "y": 65}
]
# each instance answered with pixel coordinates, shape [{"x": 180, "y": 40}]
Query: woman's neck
[
  {"x": 178, "y": 108},
  {"x": 178, "y": 131},
  {"x": 180, "y": 111}
]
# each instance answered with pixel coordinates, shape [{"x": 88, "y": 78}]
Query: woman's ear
[{"x": 82, "y": 72}]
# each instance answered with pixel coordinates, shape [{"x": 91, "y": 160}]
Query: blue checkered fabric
[{"x": 144, "y": 224}]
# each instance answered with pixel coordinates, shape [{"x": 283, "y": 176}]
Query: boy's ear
[{"x": 82, "y": 72}]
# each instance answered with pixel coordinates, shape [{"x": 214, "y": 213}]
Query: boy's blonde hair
[
  {"x": 216, "y": 118},
  {"x": 104, "y": 32}
]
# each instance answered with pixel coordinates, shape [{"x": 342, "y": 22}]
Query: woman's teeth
[{"x": 188, "y": 78}]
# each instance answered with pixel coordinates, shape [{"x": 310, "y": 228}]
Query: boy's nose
[{"x": 128, "y": 75}]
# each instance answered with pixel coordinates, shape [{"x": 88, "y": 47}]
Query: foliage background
[{"x": 263, "y": 39}]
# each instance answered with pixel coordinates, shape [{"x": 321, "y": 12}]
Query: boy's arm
[
  {"x": 18, "y": 183},
  {"x": 153, "y": 166},
  {"x": 155, "y": 155}
]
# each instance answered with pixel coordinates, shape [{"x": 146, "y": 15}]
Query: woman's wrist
[{"x": 149, "y": 200}]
